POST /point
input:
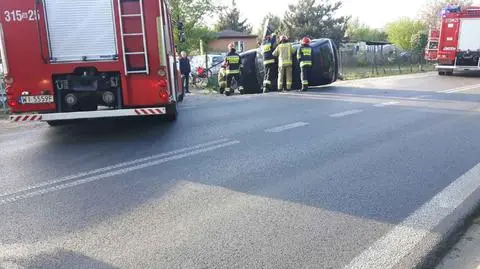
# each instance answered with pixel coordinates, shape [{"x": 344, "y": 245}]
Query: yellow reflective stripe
[
  {"x": 233, "y": 59},
  {"x": 307, "y": 51},
  {"x": 267, "y": 48},
  {"x": 305, "y": 63},
  {"x": 269, "y": 61},
  {"x": 305, "y": 82},
  {"x": 229, "y": 72},
  {"x": 285, "y": 62}
]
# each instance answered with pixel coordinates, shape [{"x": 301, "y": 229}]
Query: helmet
[
  {"x": 306, "y": 41},
  {"x": 231, "y": 46},
  {"x": 283, "y": 38}
]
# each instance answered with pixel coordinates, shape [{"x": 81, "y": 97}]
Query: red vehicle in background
[
  {"x": 431, "y": 51},
  {"x": 459, "y": 44},
  {"x": 67, "y": 60}
]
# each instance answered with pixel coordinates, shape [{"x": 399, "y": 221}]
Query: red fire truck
[
  {"x": 431, "y": 51},
  {"x": 67, "y": 60},
  {"x": 459, "y": 44}
]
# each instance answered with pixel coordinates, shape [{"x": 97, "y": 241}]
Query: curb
[{"x": 430, "y": 252}]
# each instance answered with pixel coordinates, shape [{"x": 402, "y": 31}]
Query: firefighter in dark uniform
[
  {"x": 304, "y": 56},
  {"x": 268, "y": 47},
  {"x": 233, "y": 66}
]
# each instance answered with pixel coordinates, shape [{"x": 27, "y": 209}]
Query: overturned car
[{"x": 325, "y": 66}]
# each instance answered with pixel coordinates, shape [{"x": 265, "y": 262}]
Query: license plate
[{"x": 36, "y": 99}]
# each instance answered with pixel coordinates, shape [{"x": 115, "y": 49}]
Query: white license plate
[{"x": 36, "y": 99}]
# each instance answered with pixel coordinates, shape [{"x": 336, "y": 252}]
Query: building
[{"x": 247, "y": 41}]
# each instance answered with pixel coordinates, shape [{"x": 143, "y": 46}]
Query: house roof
[{"x": 231, "y": 33}]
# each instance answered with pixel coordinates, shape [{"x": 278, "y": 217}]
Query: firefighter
[
  {"x": 284, "y": 52},
  {"x": 268, "y": 47},
  {"x": 304, "y": 56},
  {"x": 233, "y": 66}
]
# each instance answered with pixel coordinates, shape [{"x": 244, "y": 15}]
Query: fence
[{"x": 377, "y": 61}]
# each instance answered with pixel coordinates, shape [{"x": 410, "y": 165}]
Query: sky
[{"x": 366, "y": 10}]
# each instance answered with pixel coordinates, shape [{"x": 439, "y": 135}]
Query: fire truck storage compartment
[
  {"x": 86, "y": 89},
  {"x": 468, "y": 42},
  {"x": 81, "y": 30}
]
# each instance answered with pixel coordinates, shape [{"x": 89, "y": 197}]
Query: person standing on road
[
  {"x": 185, "y": 69},
  {"x": 268, "y": 47},
  {"x": 233, "y": 66},
  {"x": 304, "y": 56},
  {"x": 284, "y": 53}
]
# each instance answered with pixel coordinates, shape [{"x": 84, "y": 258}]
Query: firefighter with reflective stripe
[
  {"x": 304, "y": 56},
  {"x": 233, "y": 66},
  {"x": 268, "y": 47},
  {"x": 284, "y": 52}
]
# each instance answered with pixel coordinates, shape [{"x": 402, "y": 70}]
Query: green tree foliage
[
  {"x": 192, "y": 13},
  {"x": 358, "y": 31},
  {"x": 430, "y": 13},
  {"x": 307, "y": 18},
  {"x": 400, "y": 32},
  {"x": 419, "y": 41},
  {"x": 230, "y": 20}
]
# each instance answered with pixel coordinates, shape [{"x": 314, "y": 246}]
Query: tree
[
  {"x": 430, "y": 13},
  {"x": 419, "y": 41},
  {"x": 192, "y": 13},
  {"x": 400, "y": 32},
  {"x": 315, "y": 20},
  {"x": 361, "y": 32},
  {"x": 230, "y": 20},
  {"x": 275, "y": 23}
]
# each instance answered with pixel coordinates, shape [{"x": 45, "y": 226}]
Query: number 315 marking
[{"x": 19, "y": 15}]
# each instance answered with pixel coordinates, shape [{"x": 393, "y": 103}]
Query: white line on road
[
  {"x": 286, "y": 127},
  {"x": 112, "y": 167},
  {"x": 460, "y": 89},
  {"x": 346, "y": 113},
  {"x": 386, "y": 104},
  {"x": 390, "y": 249},
  {"x": 41, "y": 191}
]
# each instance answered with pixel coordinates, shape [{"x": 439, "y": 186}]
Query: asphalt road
[{"x": 325, "y": 179}]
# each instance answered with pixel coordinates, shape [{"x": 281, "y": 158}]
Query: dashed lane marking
[
  {"x": 286, "y": 127},
  {"x": 346, "y": 113},
  {"x": 386, "y": 104}
]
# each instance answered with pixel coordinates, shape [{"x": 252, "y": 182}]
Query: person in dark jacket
[
  {"x": 268, "y": 47},
  {"x": 233, "y": 66},
  {"x": 304, "y": 56},
  {"x": 185, "y": 70}
]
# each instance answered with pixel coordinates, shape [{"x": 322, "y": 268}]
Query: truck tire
[
  {"x": 441, "y": 73},
  {"x": 172, "y": 112},
  {"x": 449, "y": 73}
]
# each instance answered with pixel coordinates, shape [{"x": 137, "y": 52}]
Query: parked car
[
  {"x": 214, "y": 62},
  {"x": 325, "y": 66}
]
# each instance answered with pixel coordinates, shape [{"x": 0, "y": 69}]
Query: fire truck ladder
[{"x": 126, "y": 53}]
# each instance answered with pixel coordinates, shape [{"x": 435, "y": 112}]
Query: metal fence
[{"x": 376, "y": 61}]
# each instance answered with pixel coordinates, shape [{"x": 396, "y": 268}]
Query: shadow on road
[{"x": 59, "y": 258}]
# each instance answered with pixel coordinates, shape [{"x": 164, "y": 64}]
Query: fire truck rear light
[
  {"x": 8, "y": 80},
  {"x": 162, "y": 83},
  {"x": 12, "y": 103}
]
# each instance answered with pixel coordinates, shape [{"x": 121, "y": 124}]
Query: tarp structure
[{"x": 324, "y": 71}]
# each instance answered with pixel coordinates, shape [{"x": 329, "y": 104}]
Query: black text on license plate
[{"x": 36, "y": 99}]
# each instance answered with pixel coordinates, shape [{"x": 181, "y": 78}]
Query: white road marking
[
  {"x": 286, "y": 127},
  {"x": 390, "y": 249},
  {"x": 112, "y": 167},
  {"x": 41, "y": 191},
  {"x": 346, "y": 113},
  {"x": 460, "y": 89},
  {"x": 386, "y": 104},
  {"x": 420, "y": 97}
]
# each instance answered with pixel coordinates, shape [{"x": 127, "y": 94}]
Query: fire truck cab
[
  {"x": 67, "y": 60},
  {"x": 459, "y": 43}
]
